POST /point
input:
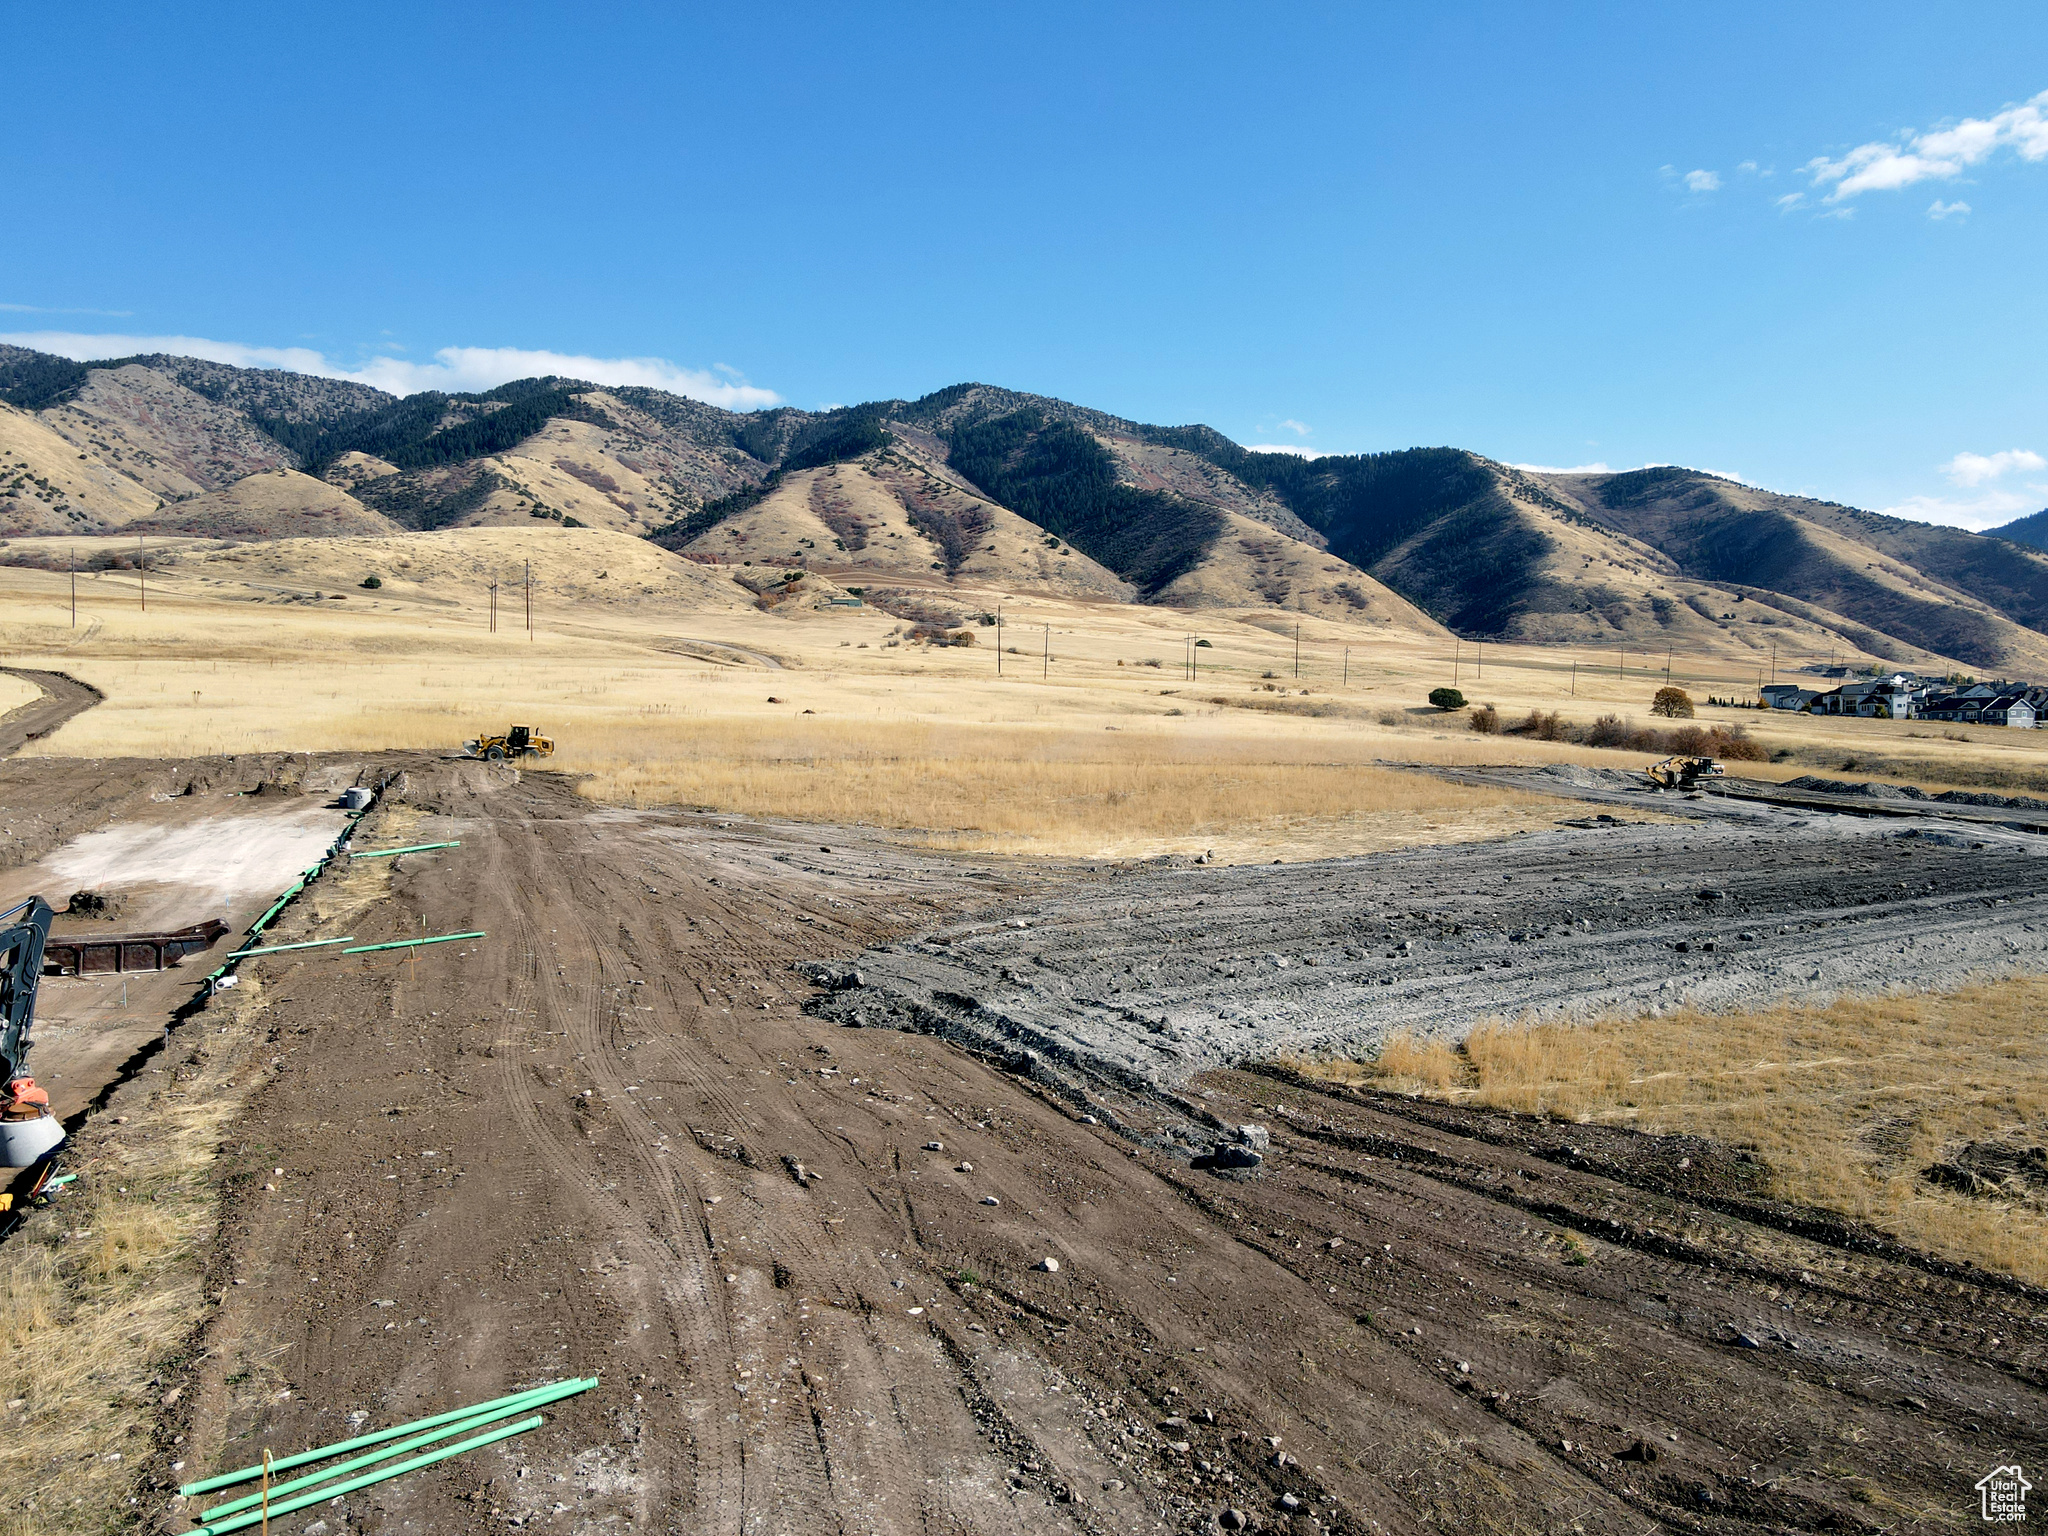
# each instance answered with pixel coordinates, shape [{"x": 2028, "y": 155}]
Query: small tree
[
  {"x": 1447, "y": 699},
  {"x": 373, "y": 582},
  {"x": 1672, "y": 704}
]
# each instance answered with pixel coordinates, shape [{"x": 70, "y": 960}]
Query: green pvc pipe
[
  {"x": 440, "y": 938},
  {"x": 479, "y": 1417},
  {"x": 278, "y": 949},
  {"x": 336, "y": 1490},
  {"x": 278, "y": 906},
  {"x": 378, "y": 1437},
  {"x": 387, "y": 853}
]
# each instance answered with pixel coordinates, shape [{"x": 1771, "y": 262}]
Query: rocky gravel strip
[{"x": 1133, "y": 983}]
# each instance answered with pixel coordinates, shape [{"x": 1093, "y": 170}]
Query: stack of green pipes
[{"x": 283, "y": 1498}]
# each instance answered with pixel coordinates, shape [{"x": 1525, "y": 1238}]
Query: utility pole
[
  {"x": 494, "y": 607},
  {"x": 142, "y": 560},
  {"x": 1621, "y": 664},
  {"x": 1347, "y": 666},
  {"x": 74, "y": 589},
  {"x": 1297, "y": 653},
  {"x": 1774, "y": 661},
  {"x": 1575, "y": 679},
  {"x": 529, "y": 600},
  {"x": 1046, "y": 671},
  {"x": 999, "y": 639},
  {"x": 1454, "y": 661},
  {"x": 1481, "y": 644},
  {"x": 1667, "y": 666}
]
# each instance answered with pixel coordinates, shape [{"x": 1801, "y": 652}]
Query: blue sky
[{"x": 1802, "y": 245}]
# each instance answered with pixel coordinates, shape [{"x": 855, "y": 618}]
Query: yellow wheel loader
[{"x": 519, "y": 741}]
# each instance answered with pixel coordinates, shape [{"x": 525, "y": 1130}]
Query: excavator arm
[
  {"x": 28, "y": 1133},
  {"x": 27, "y": 930}
]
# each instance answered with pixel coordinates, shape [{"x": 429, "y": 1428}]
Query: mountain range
[{"x": 987, "y": 488}]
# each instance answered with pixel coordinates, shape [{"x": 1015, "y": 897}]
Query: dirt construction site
[
  {"x": 892, "y": 1189},
  {"x": 927, "y": 1092}
]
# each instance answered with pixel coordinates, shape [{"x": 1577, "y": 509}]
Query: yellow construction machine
[
  {"x": 1681, "y": 772},
  {"x": 519, "y": 741}
]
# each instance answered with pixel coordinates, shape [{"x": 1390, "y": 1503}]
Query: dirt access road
[
  {"x": 63, "y": 697},
  {"x": 806, "y": 1259}
]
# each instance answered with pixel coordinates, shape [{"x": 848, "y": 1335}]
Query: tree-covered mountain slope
[
  {"x": 1909, "y": 585},
  {"x": 2031, "y": 530}
]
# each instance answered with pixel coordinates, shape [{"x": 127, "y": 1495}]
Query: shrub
[
  {"x": 962, "y": 637},
  {"x": 1672, "y": 704},
  {"x": 1690, "y": 741},
  {"x": 1550, "y": 727},
  {"x": 1446, "y": 699},
  {"x": 1485, "y": 720},
  {"x": 1607, "y": 731},
  {"x": 1392, "y": 717},
  {"x": 372, "y": 582},
  {"x": 1734, "y": 744}
]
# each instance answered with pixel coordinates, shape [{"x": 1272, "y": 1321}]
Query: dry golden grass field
[
  {"x": 1848, "y": 1105},
  {"x": 664, "y": 683}
]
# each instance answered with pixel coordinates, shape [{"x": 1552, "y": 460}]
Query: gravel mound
[
  {"x": 1873, "y": 791},
  {"x": 1996, "y": 802},
  {"x": 1867, "y": 789},
  {"x": 1582, "y": 777}
]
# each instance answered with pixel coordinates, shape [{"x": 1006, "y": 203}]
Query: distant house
[
  {"x": 1786, "y": 697},
  {"x": 1890, "y": 698},
  {"x": 1952, "y": 709},
  {"x": 1882, "y": 698},
  {"x": 1771, "y": 693},
  {"x": 2010, "y": 709}
]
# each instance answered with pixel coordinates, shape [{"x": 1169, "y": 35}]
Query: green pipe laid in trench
[
  {"x": 290, "y": 891},
  {"x": 386, "y": 853},
  {"x": 439, "y": 938},
  {"x": 278, "y": 949},
  {"x": 336, "y": 1490},
  {"x": 477, "y": 1419},
  {"x": 378, "y": 1437}
]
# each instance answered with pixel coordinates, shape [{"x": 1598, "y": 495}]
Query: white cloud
[
  {"x": 1975, "y": 513},
  {"x": 1749, "y": 167},
  {"x": 455, "y": 369},
  {"x": 1298, "y": 428},
  {"x": 1792, "y": 200},
  {"x": 1565, "y": 469},
  {"x": 1976, "y": 468},
  {"x": 1938, "y": 210},
  {"x": 1294, "y": 448},
  {"x": 1702, "y": 181},
  {"x": 1940, "y": 155}
]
